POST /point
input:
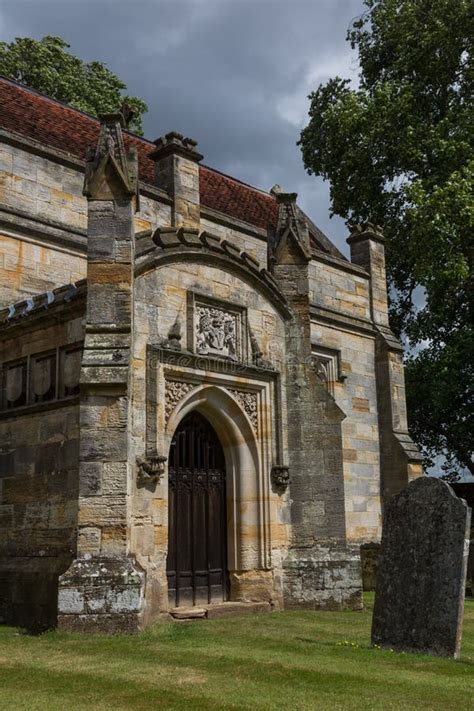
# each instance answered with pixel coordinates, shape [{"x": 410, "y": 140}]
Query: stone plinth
[
  {"x": 419, "y": 600},
  {"x": 323, "y": 577},
  {"x": 101, "y": 595}
]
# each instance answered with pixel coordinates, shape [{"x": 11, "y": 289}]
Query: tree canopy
[
  {"x": 398, "y": 149},
  {"x": 47, "y": 66}
]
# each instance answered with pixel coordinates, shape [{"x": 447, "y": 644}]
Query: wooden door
[{"x": 197, "y": 547}]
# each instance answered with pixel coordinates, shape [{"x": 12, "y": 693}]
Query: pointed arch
[{"x": 247, "y": 525}]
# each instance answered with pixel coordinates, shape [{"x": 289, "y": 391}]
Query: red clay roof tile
[{"x": 38, "y": 117}]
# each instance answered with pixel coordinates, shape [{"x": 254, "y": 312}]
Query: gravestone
[{"x": 419, "y": 599}]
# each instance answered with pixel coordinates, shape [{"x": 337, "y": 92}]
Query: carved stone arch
[
  {"x": 174, "y": 246},
  {"x": 247, "y": 493}
]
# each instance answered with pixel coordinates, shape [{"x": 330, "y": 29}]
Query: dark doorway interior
[{"x": 197, "y": 550}]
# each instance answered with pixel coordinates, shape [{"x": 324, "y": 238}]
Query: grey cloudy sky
[{"x": 233, "y": 74}]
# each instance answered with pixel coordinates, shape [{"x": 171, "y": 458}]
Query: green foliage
[
  {"x": 399, "y": 150},
  {"x": 47, "y": 66}
]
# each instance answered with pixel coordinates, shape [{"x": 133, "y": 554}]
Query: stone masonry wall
[
  {"x": 36, "y": 186},
  {"x": 253, "y": 244},
  {"x": 161, "y": 299},
  {"x": 38, "y": 512},
  {"x": 338, "y": 290},
  {"x": 43, "y": 222},
  {"x": 28, "y": 268},
  {"x": 320, "y": 570},
  {"x": 38, "y": 486},
  {"x": 356, "y": 395}
]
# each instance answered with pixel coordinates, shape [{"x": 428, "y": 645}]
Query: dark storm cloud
[{"x": 234, "y": 74}]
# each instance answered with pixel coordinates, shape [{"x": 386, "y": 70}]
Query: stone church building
[{"x": 202, "y": 406}]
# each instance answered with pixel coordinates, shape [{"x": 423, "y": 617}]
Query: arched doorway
[{"x": 197, "y": 549}]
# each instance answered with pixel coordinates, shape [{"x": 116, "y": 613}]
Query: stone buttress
[
  {"x": 321, "y": 570},
  {"x": 400, "y": 458},
  {"x": 103, "y": 589}
]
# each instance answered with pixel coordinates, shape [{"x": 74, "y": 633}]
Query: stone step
[
  {"x": 188, "y": 613},
  {"x": 219, "y": 609}
]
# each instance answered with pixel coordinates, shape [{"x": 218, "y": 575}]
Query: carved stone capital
[{"x": 280, "y": 477}]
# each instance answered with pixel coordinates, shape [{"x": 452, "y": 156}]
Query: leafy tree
[
  {"x": 47, "y": 66},
  {"x": 398, "y": 149}
]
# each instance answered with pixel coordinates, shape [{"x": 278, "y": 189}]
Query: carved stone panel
[
  {"x": 325, "y": 363},
  {"x": 248, "y": 401},
  {"x": 216, "y": 331},
  {"x": 175, "y": 390}
]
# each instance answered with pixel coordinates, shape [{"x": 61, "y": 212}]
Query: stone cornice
[
  {"x": 57, "y": 305},
  {"x": 343, "y": 264},
  {"x": 341, "y": 321},
  {"x": 19, "y": 221},
  {"x": 40, "y": 149},
  {"x": 67, "y": 159},
  {"x": 17, "y": 413},
  {"x": 194, "y": 361}
]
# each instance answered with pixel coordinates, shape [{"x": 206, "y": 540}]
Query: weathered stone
[
  {"x": 323, "y": 577},
  {"x": 369, "y": 558},
  {"x": 419, "y": 597},
  {"x": 70, "y": 601},
  {"x": 189, "y": 613},
  {"x": 293, "y": 364},
  {"x": 101, "y": 594},
  {"x": 236, "y": 609}
]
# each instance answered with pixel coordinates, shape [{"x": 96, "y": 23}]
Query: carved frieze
[
  {"x": 248, "y": 402},
  {"x": 175, "y": 390}
]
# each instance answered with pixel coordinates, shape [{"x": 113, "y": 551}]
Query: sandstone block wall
[
  {"x": 34, "y": 186},
  {"x": 338, "y": 290},
  {"x": 356, "y": 395},
  {"x": 327, "y": 579},
  {"x": 162, "y": 299},
  {"x": 43, "y": 221},
  {"x": 27, "y": 268},
  {"x": 38, "y": 511}
]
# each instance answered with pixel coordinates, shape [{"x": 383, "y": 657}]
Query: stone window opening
[{"x": 40, "y": 377}]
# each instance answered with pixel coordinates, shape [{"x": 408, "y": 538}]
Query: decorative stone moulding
[
  {"x": 175, "y": 144},
  {"x": 366, "y": 228},
  {"x": 175, "y": 390},
  {"x": 36, "y": 305},
  {"x": 151, "y": 468},
  {"x": 327, "y": 365},
  {"x": 174, "y": 242},
  {"x": 280, "y": 477},
  {"x": 248, "y": 402}
]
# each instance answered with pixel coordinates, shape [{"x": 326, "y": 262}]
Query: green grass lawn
[{"x": 286, "y": 660}]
